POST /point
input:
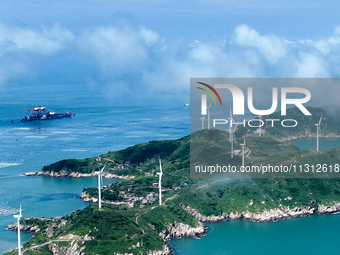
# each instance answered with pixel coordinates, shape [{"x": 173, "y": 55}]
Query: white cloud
[
  {"x": 271, "y": 47},
  {"x": 311, "y": 66},
  {"x": 139, "y": 59},
  {"x": 118, "y": 49},
  {"x": 149, "y": 36},
  {"x": 47, "y": 41}
]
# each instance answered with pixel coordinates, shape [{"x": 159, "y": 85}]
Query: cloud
[
  {"x": 21, "y": 48},
  {"x": 127, "y": 58},
  {"x": 119, "y": 50},
  {"x": 270, "y": 46},
  {"x": 309, "y": 65},
  {"x": 47, "y": 41}
]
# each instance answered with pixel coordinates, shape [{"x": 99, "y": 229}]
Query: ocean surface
[
  {"x": 310, "y": 143},
  {"x": 312, "y": 235},
  {"x": 100, "y": 126}
]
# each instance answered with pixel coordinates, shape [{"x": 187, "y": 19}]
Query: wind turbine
[
  {"x": 202, "y": 118},
  {"x": 100, "y": 183},
  {"x": 243, "y": 145},
  {"x": 18, "y": 217},
  {"x": 230, "y": 125},
  {"x": 209, "y": 115},
  {"x": 232, "y": 140},
  {"x": 318, "y": 130},
  {"x": 260, "y": 127},
  {"x": 160, "y": 180}
]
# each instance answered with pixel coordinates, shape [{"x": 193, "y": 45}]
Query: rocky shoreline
[
  {"x": 86, "y": 198},
  {"x": 78, "y": 175},
  {"x": 178, "y": 230},
  {"x": 26, "y": 228},
  {"x": 271, "y": 215},
  {"x": 304, "y": 134}
]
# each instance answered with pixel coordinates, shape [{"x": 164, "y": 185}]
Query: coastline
[
  {"x": 271, "y": 215},
  {"x": 305, "y": 134},
  {"x": 178, "y": 230},
  {"x": 78, "y": 175}
]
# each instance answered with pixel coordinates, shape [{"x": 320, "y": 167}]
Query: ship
[{"x": 41, "y": 113}]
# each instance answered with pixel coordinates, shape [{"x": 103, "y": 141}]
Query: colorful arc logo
[{"x": 209, "y": 93}]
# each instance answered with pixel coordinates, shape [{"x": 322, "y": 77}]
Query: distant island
[{"x": 132, "y": 222}]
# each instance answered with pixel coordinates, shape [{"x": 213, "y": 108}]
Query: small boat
[
  {"x": 186, "y": 104},
  {"x": 41, "y": 113}
]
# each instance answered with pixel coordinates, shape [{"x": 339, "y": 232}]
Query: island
[{"x": 132, "y": 222}]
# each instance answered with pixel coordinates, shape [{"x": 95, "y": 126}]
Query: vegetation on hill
[{"x": 131, "y": 215}]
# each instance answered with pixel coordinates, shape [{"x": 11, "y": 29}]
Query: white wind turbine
[
  {"x": 160, "y": 174},
  {"x": 318, "y": 131},
  {"x": 230, "y": 125},
  {"x": 231, "y": 131},
  {"x": 243, "y": 145},
  {"x": 100, "y": 183},
  {"x": 209, "y": 115},
  {"x": 260, "y": 127},
  {"x": 18, "y": 217},
  {"x": 232, "y": 140}
]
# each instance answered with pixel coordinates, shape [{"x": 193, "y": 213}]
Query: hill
[{"x": 131, "y": 220}]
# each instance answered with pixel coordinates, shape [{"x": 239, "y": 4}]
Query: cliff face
[
  {"x": 26, "y": 228},
  {"x": 74, "y": 249},
  {"x": 179, "y": 230},
  {"x": 165, "y": 251}
]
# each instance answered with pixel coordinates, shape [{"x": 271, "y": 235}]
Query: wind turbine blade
[
  {"x": 103, "y": 169},
  {"x": 320, "y": 119}
]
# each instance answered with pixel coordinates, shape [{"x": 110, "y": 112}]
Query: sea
[{"x": 100, "y": 126}]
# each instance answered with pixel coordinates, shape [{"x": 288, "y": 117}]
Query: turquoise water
[
  {"x": 311, "y": 235},
  {"x": 310, "y": 143},
  {"x": 316, "y": 234},
  {"x": 98, "y": 127}
]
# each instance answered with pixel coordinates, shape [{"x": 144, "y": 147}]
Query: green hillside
[{"x": 136, "y": 218}]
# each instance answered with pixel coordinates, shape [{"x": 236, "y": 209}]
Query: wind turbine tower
[
  {"x": 209, "y": 115},
  {"x": 260, "y": 128},
  {"x": 318, "y": 131},
  {"x": 18, "y": 217},
  {"x": 243, "y": 145},
  {"x": 100, "y": 183},
  {"x": 230, "y": 125},
  {"x": 232, "y": 140},
  {"x": 160, "y": 180}
]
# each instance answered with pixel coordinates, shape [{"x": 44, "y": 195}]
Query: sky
[{"x": 128, "y": 51}]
